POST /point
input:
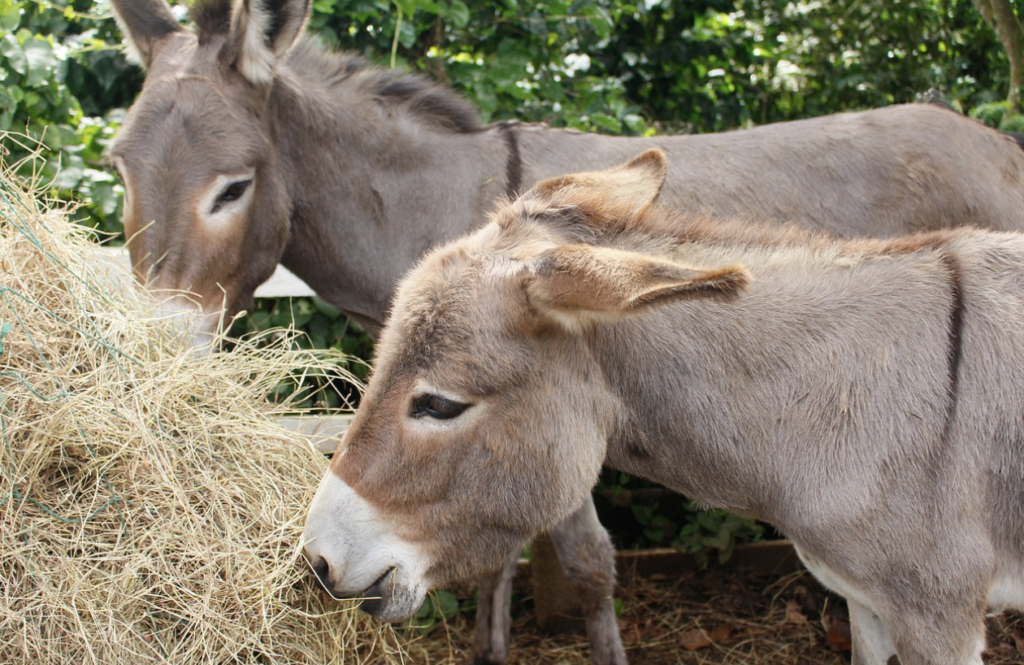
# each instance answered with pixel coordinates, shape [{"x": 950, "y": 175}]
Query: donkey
[
  {"x": 864, "y": 396},
  {"x": 250, "y": 146}
]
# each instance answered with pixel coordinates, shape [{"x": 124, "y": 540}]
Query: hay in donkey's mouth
[{"x": 150, "y": 508}]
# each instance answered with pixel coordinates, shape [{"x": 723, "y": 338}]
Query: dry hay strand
[{"x": 150, "y": 507}]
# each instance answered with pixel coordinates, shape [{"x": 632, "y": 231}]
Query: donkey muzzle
[{"x": 355, "y": 554}]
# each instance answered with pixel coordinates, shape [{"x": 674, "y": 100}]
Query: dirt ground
[{"x": 703, "y": 619}]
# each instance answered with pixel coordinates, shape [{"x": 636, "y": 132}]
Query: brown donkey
[
  {"x": 250, "y": 146},
  {"x": 866, "y": 397}
]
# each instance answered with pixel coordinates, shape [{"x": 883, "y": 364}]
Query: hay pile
[{"x": 150, "y": 509}]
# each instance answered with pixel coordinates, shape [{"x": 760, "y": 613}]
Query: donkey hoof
[{"x": 487, "y": 658}]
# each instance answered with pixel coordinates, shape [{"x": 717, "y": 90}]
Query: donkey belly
[
  {"x": 1007, "y": 590},
  {"x": 834, "y": 580},
  {"x": 1005, "y": 593}
]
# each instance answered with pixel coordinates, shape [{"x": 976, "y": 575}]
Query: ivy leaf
[
  {"x": 408, "y": 7},
  {"x": 72, "y": 168},
  {"x": 458, "y": 14},
  {"x": 7, "y": 100},
  {"x": 426, "y": 610},
  {"x": 41, "y": 60},
  {"x": 326, "y": 308},
  {"x": 447, "y": 604},
  {"x": 11, "y": 49},
  {"x": 10, "y": 15},
  {"x": 601, "y": 23},
  {"x": 606, "y": 122}
]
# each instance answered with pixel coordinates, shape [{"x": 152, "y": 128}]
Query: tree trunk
[{"x": 999, "y": 14}]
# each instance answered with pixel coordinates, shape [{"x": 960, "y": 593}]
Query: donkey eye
[
  {"x": 437, "y": 407},
  {"x": 232, "y": 192}
]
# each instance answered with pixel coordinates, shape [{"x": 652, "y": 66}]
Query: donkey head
[
  {"x": 206, "y": 202},
  {"x": 487, "y": 418}
]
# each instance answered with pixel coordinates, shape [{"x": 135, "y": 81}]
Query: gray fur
[
  {"x": 865, "y": 397},
  {"x": 359, "y": 170}
]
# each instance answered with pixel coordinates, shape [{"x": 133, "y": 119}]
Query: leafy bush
[
  {"x": 999, "y": 115},
  {"x": 716, "y": 531},
  {"x": 325, "y": 328},
  {"x": 641, "y": 515},
  {"x": 523, "y": 60},
  {"x": 64, "y": 84}
]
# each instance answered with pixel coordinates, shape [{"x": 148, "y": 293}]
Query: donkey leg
[
  {"x": 935, "y": 633},
  {"x": 871, "y": 642},
  {"x": 493, "y": 619},
  {"x": 962, "y": 646},
  {"x": 588, "y": 560}
]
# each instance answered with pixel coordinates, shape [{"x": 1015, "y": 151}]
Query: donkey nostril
[{"x": 322, "y": 571}]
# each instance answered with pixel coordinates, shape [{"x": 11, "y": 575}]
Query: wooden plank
[
  {"x": 773, "y": 557},
  {"x": 324, "y": 432},
  {"x": 282, "y": 284}
]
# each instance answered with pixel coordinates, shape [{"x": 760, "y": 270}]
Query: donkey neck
[
  {"x": 373, "y": 186},
  {"x": 782, "y": 395}
]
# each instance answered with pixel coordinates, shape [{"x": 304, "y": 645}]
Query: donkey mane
[
  {"x": 434, "y": 104},
  {"x": 212, "y": 18},
  {"x": 430, "y": 102},
  {"x": 661, "y": 224},
  {"x": 739, "y": 232}
]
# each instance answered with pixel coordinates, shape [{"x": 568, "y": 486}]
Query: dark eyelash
[{"x": 437, "y": 407}]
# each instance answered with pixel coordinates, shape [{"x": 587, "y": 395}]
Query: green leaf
[
  {"x": 448, "y": 604},
  {"x": 326, "y": 308},
  {"x": 601, "y": 23},
  {"x": 72, "y": 167},
  {"x": 636, "y": 123},
  {"x": 654, "y": 535},
  {"x": 606, "y": 122},
  {"x": 1012, "y": 122},
  {"x": 426, "y": 610},
  {"x": 458, "y": 14},
  {"x": 104, "y": 196},
  {"x": 11, "y": 49},
  {"x": 41, "y": 61},
  {"x": 408, "y": 8},
  {"x": 10, "y": 15},
  {"x": 7, "y": 100}
]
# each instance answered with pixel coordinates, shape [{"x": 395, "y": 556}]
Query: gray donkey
[
  {"x": 865, "y": 396},
  {"x": 249, "y": 146}
]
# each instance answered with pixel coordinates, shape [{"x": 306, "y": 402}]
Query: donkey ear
[
  {"x": 261, "y": 32},
  {"x": 578, "y": 283},
  {"x": 144, "y": 24},
  {"x": 621, "y": 194}
]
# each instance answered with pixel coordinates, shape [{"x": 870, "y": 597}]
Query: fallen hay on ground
[
  {"x": 702, "y": 617},
  {"x": 150, "y": 508}
]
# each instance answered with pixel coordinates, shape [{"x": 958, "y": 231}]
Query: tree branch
[{"x": 999, "y": 14}]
